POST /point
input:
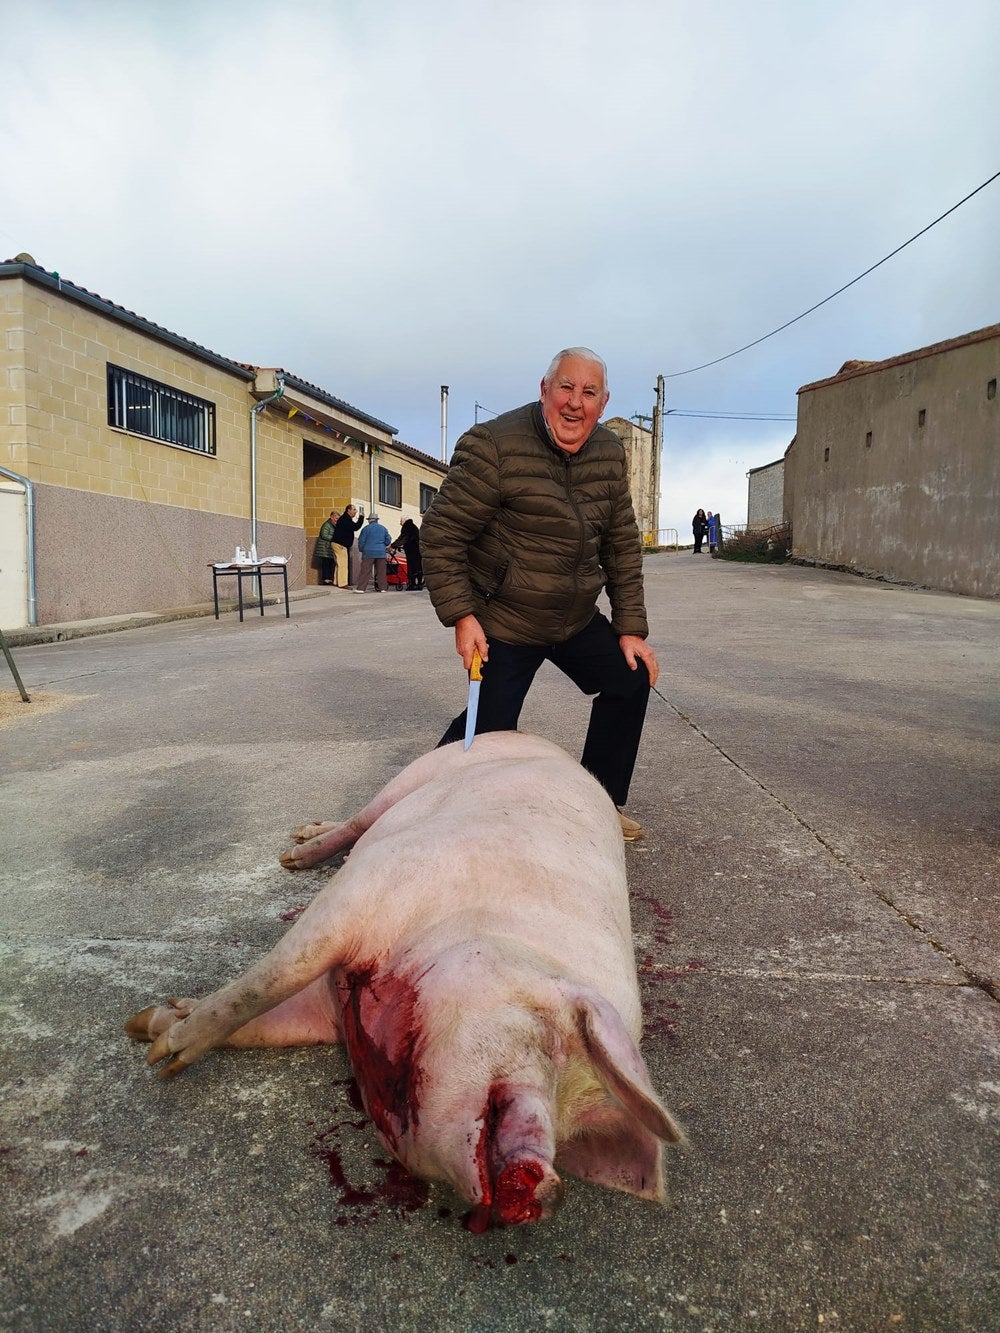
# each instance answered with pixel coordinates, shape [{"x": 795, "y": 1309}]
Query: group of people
[
  {"x": 532, "y": 522},
  {"x": 705, "y": 525},
  {"x": 375, "y": 546}
]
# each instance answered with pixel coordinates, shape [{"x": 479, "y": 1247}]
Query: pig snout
[{"x": 517, "y": 1181}]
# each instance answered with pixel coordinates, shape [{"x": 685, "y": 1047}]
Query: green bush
[{"x": 757, "y": 545}]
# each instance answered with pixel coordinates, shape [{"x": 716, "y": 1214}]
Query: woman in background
[
  {"x": 699, "y": 526},
  {"x": 323, "y": 550}
]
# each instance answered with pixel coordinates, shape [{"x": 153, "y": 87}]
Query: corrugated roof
[{"x": 23, "y": 267}]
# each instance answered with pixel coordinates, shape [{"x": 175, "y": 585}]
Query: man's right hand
[{"x": 470, "y": 635}]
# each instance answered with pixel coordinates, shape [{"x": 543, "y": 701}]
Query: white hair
[{"x": 584, "y": 354}]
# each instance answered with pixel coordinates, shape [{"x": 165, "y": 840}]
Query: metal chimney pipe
[{"x": 444, "y": 423}]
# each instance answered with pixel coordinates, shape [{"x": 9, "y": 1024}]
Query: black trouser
[
  {"x": 326, "y": 572},
  {"x": 414, "y": 571},
  {"x": 594, "y": 661}
]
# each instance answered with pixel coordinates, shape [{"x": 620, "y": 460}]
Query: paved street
[{"x": 815, "y": 912}]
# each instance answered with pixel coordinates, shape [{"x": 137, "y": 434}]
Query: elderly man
[{"x": 533, "y": 519}]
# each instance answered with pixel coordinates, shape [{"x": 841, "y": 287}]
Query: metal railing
[{"x": 661, "y": 537}]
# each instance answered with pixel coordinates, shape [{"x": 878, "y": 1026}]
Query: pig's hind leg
[{"x": 316, "y": 843}]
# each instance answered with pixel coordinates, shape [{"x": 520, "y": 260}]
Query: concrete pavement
[{"x": 815, "y": 914}]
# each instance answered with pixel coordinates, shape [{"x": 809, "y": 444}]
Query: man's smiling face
[{"x": 572, "y": 402}]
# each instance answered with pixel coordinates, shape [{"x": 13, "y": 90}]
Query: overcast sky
[{"x": 384, "y": 196}]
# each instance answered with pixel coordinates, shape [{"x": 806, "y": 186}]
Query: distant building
[
  {"x": 766, "y": 494},
  {"x": 131, "y": 458},
  {"x": 895, "y": 467},
  {"x": 642, "y": 473}
]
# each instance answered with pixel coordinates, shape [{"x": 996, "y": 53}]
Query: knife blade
[{"x": 471, "y": 712}]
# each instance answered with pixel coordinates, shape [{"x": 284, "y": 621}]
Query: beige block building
[
  {"x": 765, "y": 494},
  {"x": 642, "y": 472},
  {"x": 895, "y": 467},
  {"x": 131, "y": 458}
]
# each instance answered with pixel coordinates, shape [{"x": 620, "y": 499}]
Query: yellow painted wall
[{"x": 65, "y": 348}]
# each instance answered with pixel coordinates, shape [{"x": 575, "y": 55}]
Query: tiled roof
[{"x": 854, "y": 369}]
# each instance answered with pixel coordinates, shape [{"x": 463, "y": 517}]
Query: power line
[
  {"x": 704, "y": 366},
  {"x": 727, "y": 416}
]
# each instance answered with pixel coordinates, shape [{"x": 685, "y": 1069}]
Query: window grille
[{"x": 145, "y": 407}]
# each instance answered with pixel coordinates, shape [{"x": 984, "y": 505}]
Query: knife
[{"x": 475, "y": 679}]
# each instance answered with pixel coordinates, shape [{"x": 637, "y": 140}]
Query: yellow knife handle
[{"x": 476, "y": 670}]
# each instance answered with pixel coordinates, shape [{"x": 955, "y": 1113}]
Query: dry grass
[
  {"x": 769, "y": 545},
  {"x": 13, "y": 710}
]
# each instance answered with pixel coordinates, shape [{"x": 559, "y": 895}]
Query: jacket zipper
[{"x": 567, "y": 464}]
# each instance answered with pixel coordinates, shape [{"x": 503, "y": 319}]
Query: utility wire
[
  {"x": 727, "y": 416},
  {"x": 704, "y": 366}
]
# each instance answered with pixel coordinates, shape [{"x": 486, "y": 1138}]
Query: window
[
  {"x": 922, "y": 417},
  {"x": 826, "y": 454},
  {"x": 427, "y": 494},
  {"x": 868, "y": 440},
  {"x": 390, "y": 488},
  {"x": 146, "y": 407},
  {"x": 991, "y": 388}
]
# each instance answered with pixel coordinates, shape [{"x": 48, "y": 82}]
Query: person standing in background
[
  {"x": 712, "y": 528},
  {"x": 343, "y": 539},
  {"x": 699, "y": 526},
  {"x": 373, "y": 544},
  {"x": 323, "y": 551},
  {"x": 409, "y": 542}
]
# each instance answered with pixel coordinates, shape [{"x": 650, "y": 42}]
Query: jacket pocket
[{"x": 487, "y": 583}]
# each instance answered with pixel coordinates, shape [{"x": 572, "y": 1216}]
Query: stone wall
[{"x": 895, "y": 467}]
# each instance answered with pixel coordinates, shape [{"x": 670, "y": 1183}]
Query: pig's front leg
[
  {"x": 305, "y": 1019},
  {"x": 294, "y": 970}
]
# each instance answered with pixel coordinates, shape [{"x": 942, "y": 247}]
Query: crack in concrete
[
  {"x": 779, "y": 974},
  {"x": 972, "y": 978}
]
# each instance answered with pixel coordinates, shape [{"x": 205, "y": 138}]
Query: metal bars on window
[{"x": 145, "y": 407}]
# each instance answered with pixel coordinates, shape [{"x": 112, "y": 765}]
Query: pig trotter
[
  {"x": 308, "y": 831},
  {"x": 148, "y": 1023},
  {"x": 316, "y": 843}
]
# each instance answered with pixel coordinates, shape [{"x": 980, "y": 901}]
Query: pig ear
[{"x": 618, "y": 1064}]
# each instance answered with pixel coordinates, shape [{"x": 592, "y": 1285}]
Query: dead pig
[{"x": 475, "y": 955}]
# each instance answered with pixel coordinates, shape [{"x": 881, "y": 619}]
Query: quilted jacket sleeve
[
  {"x": 621, "y": 560},
  {"x": 468, "y": 499}
]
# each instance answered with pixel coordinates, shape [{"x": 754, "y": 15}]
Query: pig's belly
[{"x": 523, "y": 848}]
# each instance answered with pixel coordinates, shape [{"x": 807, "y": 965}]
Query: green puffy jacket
[{"x": 525, "y": 536}]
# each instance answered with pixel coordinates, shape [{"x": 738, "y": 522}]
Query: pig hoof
[
  {"x": 288, "y": 860},
  {"x": 308, "y": 831},
  {"x": 148, "y": 1023},
  {"x": 137, "y": 1026}
]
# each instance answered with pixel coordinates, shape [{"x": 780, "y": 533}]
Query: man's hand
[
  {"x": 636, "y": 650},
  {"x": 470, "y": 635}
]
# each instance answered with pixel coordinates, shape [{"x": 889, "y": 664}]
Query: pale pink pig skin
[{"x": 475, "y": 954}]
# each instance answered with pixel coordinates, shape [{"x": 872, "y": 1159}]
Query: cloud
[{"x": 385, "y": 198}]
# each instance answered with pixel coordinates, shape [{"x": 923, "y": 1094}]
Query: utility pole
[{"x": 654, "y": 478}]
